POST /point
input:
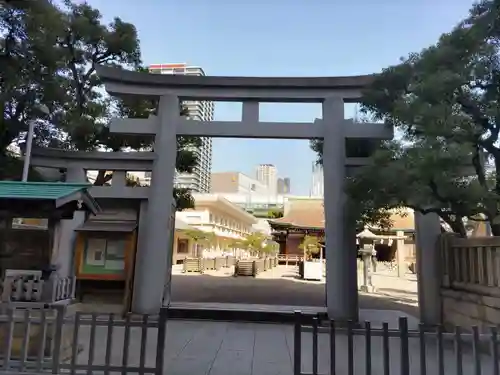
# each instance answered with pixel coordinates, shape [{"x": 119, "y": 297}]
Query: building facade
[
  {"x": 317, "y": 181},
  {"x": 267, "y": 174},
  {"x": 199, "y": 180},
  {"x": 284, "y": 185},
  {"x": 215, "y": 214},
  {"x": 236, "y": 182}
]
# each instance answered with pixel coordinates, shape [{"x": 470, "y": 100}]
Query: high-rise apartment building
[
  {"x": 284, "y": 185},
  {"x": 199, "y": 180},
  {"x": 268, "y": 175},
  {"x": 317, "y": 181}
]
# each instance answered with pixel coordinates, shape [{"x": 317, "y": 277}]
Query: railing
[
  {"x": 50, "y": 341},
  {"x": 29, "y": 286},
  {"x": 352, "y": 349},
  {"x": 471, "y": 263},
  {"x": 290, "y": 259}
]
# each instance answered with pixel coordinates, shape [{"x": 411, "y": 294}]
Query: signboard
[{"x": 104, "y": 256}]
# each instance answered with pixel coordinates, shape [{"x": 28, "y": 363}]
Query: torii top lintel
[{"x": 122, "y": 82}]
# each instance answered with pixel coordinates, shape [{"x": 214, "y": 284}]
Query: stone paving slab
[{"x": 227, "y": 348}]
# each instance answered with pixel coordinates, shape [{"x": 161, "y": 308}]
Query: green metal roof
[{"x": 39, "y": 190}]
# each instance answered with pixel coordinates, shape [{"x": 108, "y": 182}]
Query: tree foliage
[
  {"x": 443, "y": 103},
  {"x": 49, "y": 56},
  {"x": 310, "y": 245},
  {"x": 275, "y": 214}
]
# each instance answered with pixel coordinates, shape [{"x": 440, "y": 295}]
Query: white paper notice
[
  {"x": 96, "y": 248},
  {"x": 116, "y": 265}
]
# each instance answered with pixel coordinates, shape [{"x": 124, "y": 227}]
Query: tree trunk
[{"x": 102, "y": 178}]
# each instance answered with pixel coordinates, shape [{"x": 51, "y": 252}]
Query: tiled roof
[
  {"x": 38, "y": 190},
  {"x": 303, "y": 214},
  {"x": 311, "y": 214},
  {"x": 58, "y": 192}
]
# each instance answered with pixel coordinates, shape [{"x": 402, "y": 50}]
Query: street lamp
[{"x": 29, "y": 142}]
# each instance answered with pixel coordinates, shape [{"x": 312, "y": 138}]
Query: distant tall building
[
  {"x": 284, "y": 185},
  {"x": 199, "y": 180},
  {"x": 268, "y": 175},
  {"x": 317, "y": 181}
]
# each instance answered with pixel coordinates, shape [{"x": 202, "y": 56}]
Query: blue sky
[{"x": 282, "y": 38}]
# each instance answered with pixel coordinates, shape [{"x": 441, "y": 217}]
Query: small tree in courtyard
[
  {"x": 311, "y": 246},
  {"x": 199, "y": 237}
]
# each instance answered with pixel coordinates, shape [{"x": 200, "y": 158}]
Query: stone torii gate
[{"x": 154, "y": 259}]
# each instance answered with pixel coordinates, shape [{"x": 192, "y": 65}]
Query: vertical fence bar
[
  {"x": 74, "y": 344},
  {"x": 422, "y": 346},
  {"x": 440, "y": 350},
  {"x": 297, "y": 344},
  {"x": 93, "y": 326},
  {"x": 315, "y": 345},
  {"x": 476, "y": 353},
  {"x": 368, "y": 348},
  {"x": 26, "y": 339},
  {"x": 333, "y": 354},
  {"x": 494, "y": 350},
  {"x": 57, "y": 347},
  {"x": 350, "y": 348},
  {"x": 160, "y": 347},
  {"x": 8, "y": 339},
  {"x": 126, "y": 344},
  {"x": 109, "y": 343},
  {"x": 144, "y": 343},
  {"x": 385, "y": 348},
  {"x": 403, "y": 337},
  {"x": 458, "y": 350},
  {"x": 43, "y": 339}
]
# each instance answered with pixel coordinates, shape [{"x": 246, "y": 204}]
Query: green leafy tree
[
  {"x": 275, "y": 214},
  {"x": 271, "y": 248},
  {"x": 199, "y": 237},
  {"x": 443, "y": 102},
  {"x": 50, "y": 54},
  {"x": 255, "y": 243},
  {"x": 28, "y": 62},
  {"x": 310, "y": 245}
]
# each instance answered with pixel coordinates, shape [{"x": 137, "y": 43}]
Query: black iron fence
[
  {"x": 349, "y": 348},
  {"x": 52, "y": 340}
]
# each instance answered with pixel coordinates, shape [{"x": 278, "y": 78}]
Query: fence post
[
  {"x": 297, "y": 343},
  {"x": 56, "y": 355},
  {"x": 405, "y": 355},
  {"x": 160, "y": 347}
]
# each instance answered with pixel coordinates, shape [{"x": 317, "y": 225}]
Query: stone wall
[
  {"x": 467, "y": 309},
  {"x": 471, "y": 281}
]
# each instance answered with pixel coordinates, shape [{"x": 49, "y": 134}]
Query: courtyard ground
[
  {"x": 224, "y": 348},
  {"x": 281, "y": 286}
]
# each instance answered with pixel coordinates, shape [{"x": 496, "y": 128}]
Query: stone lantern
[{"x": 367, "y": 245}]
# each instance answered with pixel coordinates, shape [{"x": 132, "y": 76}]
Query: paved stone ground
[
  {"x": 225, "y": 348},
  {"x": 231, "y": 348},
  {"x": 281, "y": 286}
]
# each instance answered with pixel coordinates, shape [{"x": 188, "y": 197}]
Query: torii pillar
[{"x": 340, "y": 240}]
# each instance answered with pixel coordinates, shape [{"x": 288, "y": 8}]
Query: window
[{"x": 182, "y": 246}]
